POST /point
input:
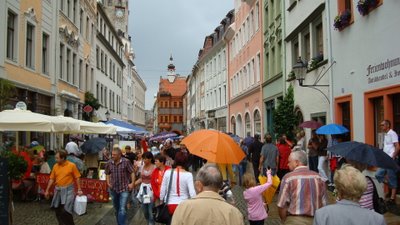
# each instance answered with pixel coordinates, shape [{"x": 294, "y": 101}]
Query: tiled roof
[{"x": 177, "y": 88}]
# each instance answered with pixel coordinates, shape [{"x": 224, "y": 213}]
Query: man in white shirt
[{"x": 390, "y": 147}]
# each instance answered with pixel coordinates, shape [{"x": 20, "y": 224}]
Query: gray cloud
[{"x": 178, "y": 27}]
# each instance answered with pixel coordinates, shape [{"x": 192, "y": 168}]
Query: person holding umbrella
[{"x": 391, "y": 148}]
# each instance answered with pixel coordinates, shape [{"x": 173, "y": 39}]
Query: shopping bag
[
  {"x": 270, "y": 192},
  {"x": 80, "y": 205}
]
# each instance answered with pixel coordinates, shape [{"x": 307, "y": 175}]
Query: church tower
[{"x": 171, "y": 75}]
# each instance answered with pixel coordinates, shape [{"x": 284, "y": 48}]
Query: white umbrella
[
  {"x": 25, "y": 120},
  {"x": 86, "y": 127}
]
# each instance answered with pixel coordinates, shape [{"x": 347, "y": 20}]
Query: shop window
[
  {"x": 378, "y": 118},
  {"x": 257, "y": 122},
  {"x": 346, "y": 120},
  {"x": 270, "y": 106},
  {"x": 396, "y": 113},
  {"x": 233, "y": 125},
  {"x": 248, "y": 124}
]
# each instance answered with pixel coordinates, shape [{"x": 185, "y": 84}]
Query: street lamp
[
  {"x": 108, "y": 115},
  {"x": 300, "y": 70}
]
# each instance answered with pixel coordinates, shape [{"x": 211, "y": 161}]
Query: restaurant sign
[{"x": 381, "y": 71}]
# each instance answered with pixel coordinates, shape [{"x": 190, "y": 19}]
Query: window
[
  {"x": 295, "y": 51},
  {"x": 97, "y": 58},
  {"x": 81, "y": 21},
  {"x": 102, "y": 61},
  {"x": 378, "y": 118},
  {"x": 248, "y": 124},
  {"x": 175, "y": 119},
  {"x": 105, "y": 64},
  {"x": 257, "y": 122},
  {"x": 61, "y": 61},
  {"x": 68, "y": 65},
  {"x": 175, "y": 104},
  {"x": 256, "y": 17},
  {"x": 87, "y": 35},
  {"x": 306, "y": 47},
  {"x": 11, "y": 35},
  {"x": 81, "y": 78},
  {"x": 319, "y": 40},
  {"x": 45, "y": 53},
  {"x": 74, "y": 11},
  {"x": 62, "y": 5},
  {"x": 270, "y": 107},
  {"x": 74, "y": 80},
  {"x": 30, "y": 54},
  {"x": 97, "y": 90},
  {"x": 68, "y": 8}
]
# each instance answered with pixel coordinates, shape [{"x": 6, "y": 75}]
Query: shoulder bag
[
  {"x": 161, "y": 213},
  {"x": 379, "y": 204}
]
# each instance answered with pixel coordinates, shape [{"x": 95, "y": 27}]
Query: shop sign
[
  {"x": 87, "y": 109},
  {"x": 385, "y": 70}
]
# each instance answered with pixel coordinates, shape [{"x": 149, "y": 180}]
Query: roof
[{"x": 177, "y": 88}]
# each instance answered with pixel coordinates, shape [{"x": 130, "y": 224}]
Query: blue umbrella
[
  {"x": 364, "y": 153},
  {"x": 332, "y": 129},
  {"x": 93, "y": 145}
]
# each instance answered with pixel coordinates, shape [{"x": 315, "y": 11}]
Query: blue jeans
[
  {"x": 119, "y": 202},
  {"x": 392, "y": 177},
  {"x": 148, "y": 212}
]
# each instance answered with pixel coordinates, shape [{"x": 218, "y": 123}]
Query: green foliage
[
  {"x": 284, "y": 117},
  {"x": 93, "y": 102},
  {"x": 7, "y": 90},
  {"x": 16, "y": 164}
]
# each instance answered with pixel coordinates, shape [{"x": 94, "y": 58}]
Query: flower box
[
  {"x": 342, "y": 20},
  {"x": 365, "y": 6}
]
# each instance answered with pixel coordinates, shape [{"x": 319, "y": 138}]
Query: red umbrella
[{"x": 310, "y": 124}]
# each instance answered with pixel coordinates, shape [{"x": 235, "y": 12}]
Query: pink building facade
[{"x": 245, "y": 57}]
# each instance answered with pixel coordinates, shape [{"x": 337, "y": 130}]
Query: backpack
[{"x": 379, "y": 204}]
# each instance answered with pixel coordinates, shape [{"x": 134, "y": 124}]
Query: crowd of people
[{"x": 163, "y": 174}]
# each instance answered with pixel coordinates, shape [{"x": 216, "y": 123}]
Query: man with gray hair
[
  {"x": 302, "y": 192},
  {"x": 207, "y": 202}
]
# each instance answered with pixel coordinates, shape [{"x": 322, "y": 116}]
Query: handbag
[
  {"x": 379, "y": 204},
  {"x": 161, "y": 214}
]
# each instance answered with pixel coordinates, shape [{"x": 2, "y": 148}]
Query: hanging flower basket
[
  {"x": 342, "y": 20},
  {"x": 365, "y": 6}
]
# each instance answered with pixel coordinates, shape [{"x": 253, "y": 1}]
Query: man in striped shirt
[{"x": 302, "y": 192}]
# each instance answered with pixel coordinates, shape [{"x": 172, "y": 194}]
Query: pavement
[{"x": 39, "y": 212}]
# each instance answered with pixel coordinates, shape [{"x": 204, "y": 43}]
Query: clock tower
[{"x": 118, "y": 13}]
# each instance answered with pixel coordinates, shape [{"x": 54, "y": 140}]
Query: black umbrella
[
  {"x": 93, "y": 145},
  {"x": 364, "y": 153}
]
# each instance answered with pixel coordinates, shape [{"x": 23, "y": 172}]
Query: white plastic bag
[{"x": 80, "y": 205}]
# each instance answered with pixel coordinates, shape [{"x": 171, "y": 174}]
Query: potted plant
[
  {"x": 313, "y": 63},
  {"x": 365, "y": 6},
  {"x": 342, "y": 20}
]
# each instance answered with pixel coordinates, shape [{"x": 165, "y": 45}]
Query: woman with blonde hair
[
  {"x": 253, "y": 197},
  {"x": 350, "y": 185}
]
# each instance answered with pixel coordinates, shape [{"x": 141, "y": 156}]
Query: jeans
[
  {"x": 392, "y": 177},
  {"x": 148, "y": 212},
  {"x": 313, "y": 163},
  {"x": 256, "y": 222},
  {"x": 64, "y": 217},
  {"x": 321, "y": 167},
  {"x": 119, "y": 202},
  {"x": 242, "y": 170}
]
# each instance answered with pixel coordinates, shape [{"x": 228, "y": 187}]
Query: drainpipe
[{"x": 331, "y": 59}]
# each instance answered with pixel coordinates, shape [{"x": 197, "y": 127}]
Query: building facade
[
  {"x": 306, "y": 38},
  {"x": 216, "y": 74},
  {"x": 366, "y": 75},
  {"x": 170, "y": 101},
  {"x": 273, "y": 86},
  {"x": 244, "y": 69},
  {"x": 109, "y": 67}
]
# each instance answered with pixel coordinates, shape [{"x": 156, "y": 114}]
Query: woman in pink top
[{"x": 253, "y": 197}]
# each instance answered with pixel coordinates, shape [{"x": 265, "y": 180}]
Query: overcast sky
[{"x": 163, "y": 27}]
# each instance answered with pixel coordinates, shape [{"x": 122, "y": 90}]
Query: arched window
[
  {"x": 257, "y": 122},
  {"x": 248, "y": 125},
  {"x": 239, "y": 126},
  {"x": 233, "y": 125}
]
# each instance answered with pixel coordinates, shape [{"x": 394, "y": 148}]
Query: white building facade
[
  {"x": 366, "y": 77},
  {"x": 306, "y": 37},
  {"x": 109, "y": 67}
]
